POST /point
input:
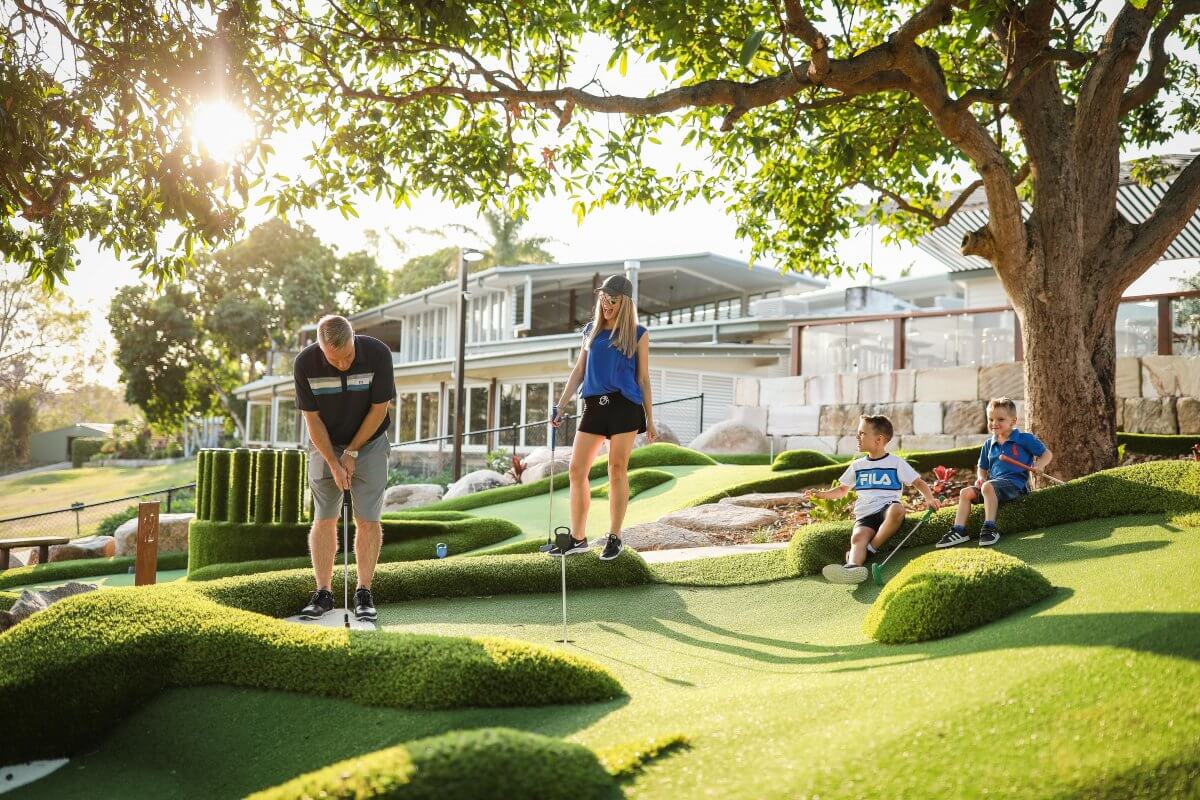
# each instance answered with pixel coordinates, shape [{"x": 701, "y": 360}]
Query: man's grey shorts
[{"x": 366, "y": 488}]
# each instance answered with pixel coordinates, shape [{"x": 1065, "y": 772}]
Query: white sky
[{"x": 612, "y": 233}]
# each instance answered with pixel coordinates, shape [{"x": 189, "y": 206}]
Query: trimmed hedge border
[
  {"x": 639, "y": 481},
  {"x": 1157, "y": 445},
  {"x": 212, "y": 542},
  {"x": 522, "y": 547},
  {"x": 441, "y": 516},
  {"x": 481, "y": 764},
  {"x": 741, "y": 459},
  {"x": 800, "y": 459},
  {"x": 1151, "y": 488},
  {"x": 471, "y": 536},
  {"x": 652, "y": 455},
  {"x": 83, "y": 568},
  {"x": 946, "y": 592},
  {"x": 119, "y": 647}
]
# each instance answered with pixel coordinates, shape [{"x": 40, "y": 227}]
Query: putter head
[
  {"x": 546, "y": 548},
  {"x": 877, "y": 574},
  {"x": 562, "y": 537}
]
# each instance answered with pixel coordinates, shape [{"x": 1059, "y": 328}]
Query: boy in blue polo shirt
[{"x": 999, "y": 480}]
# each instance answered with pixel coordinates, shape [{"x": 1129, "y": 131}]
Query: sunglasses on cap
[{"x": 608, "y": 299}]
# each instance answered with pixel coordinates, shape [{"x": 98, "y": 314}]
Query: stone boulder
[
  {"x": 542, "y": 470},
  {"x": 665, "y": 434},
  {"x": 84, "y": 547},
  {"x": 540, "y": 455},
  {"x": 172, "y": 534},
  {"x": 411, "y": 495},
  {"x": 964, "y": 417},
  {"x": 477, "y": 481},
  {"x": 764, "y": 499},
  {"x": 1187, "y": 409},
  {"x": 731, "y": 437},
  {"x": 660, "y": 536},
  {"x": 718, "y": 517},
  {"x": 1151, "y": 415},
  {"x": 31, "y": 602}
]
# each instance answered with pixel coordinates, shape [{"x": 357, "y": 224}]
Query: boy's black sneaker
[
  {"x": 956, "y": 536},
  {"x": 988, "y": 537},
  {"x": 576, "y": 546},
  {"x": 364, "y": 604},
  {"x": 319, "y": 604},
  {"x": 612, "y": 548}
]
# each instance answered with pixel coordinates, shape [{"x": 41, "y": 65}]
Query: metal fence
[{"x": 83, "y": 519}]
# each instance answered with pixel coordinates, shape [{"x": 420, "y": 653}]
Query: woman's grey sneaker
[
  {"x": 364, "y": 604},
  {"x": 577, "y": 546},
  {"x": 612, "y": 548},
  {"x": 988, "y": 537},
  {"x": 844, "y": 573},
  {"x": 319, "y": 604},
  {"x": 952, "y": 538}
]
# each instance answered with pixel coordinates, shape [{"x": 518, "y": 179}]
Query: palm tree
[{"x": 502, "y": 245}]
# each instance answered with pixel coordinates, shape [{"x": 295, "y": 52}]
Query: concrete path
[{"x": 691, "y": 553}]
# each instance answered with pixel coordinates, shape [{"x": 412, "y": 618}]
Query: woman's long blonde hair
[{"x": 624, "y": 336}]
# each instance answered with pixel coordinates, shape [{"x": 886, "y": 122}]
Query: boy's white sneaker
[{"x": 844, "y": 573}]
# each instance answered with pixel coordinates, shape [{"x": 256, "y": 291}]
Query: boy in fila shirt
[{"x": 879, "y": 479}]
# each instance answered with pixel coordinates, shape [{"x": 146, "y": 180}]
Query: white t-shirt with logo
[{"x": 877, "y": 481}]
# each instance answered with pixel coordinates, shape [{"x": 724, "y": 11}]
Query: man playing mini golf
[{"x": 344, "y": 383}]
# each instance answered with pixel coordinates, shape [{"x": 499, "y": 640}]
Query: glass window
[
  {"x": 510, "y": 412},
  {"x": 537, "y": 409},
  {"x": 287, "y": 422},
  {"x": 477, "y": 398},
  {"x": 429, "y": 415},
  {"x": 260, "y": 421},
  {"x": 408, "y": 416},
  {"x": 451, "y": 408},
  {"x": 1137, "y": 329},
  {"x": 1185, "y": 316}
]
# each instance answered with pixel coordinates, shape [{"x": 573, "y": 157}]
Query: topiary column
[
  {"x": 219, "y": 505},
  {"x": 264, "y": 485},
  {"x": 238, "y": 502},
  {"x": 201, "y": 484},
  {"x": 290, "y": 487}
]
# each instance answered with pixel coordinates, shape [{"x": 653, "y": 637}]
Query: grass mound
[
  {"x": 421, "y": 513},
  {"x": 639, "y": 481},
  {"x": 481, "y": 764},
  {"x": 469, "y": 537},
  {"x": 800, "y": 459},
  {"x": 117, "y": 648},
  {"x": 629, "y": 758},
  {"x": 736, "y": 569},
  {"x": 741, "y": 459},
  {"x": 1152, "y": 488},
  {"x": 82, "y": 568},
  {"x": 950, "y": 591},
  {"x": 1158, "y": 444}
]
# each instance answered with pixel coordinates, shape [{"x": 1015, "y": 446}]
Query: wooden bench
[{"x": 42, "y": 543}]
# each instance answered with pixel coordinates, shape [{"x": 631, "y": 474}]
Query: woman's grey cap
[{"x": 616, "y": 285}]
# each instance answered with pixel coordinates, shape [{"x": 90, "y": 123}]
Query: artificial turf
[{"x": 1094, "y": 692}]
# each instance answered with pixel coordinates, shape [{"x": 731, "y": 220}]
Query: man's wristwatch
[{"x": 351, "y": 453}]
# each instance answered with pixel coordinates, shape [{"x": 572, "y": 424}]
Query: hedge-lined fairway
[{"x": 1095, "y": 690}]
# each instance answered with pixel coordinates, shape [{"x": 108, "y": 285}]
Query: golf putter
[
  {"x": 346, "y": 556},
  {"x": 1029, "y": 468},
  {"x": 562, "y": 538},
  {"x": 877, "y": 569},
  {"x": 549, "y": 545}
]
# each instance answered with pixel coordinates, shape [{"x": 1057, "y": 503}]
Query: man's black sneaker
[
  {"x": 576, "y": 546},
  {"x": 364, "y": 604},
  {"x": 952, "y": 538},
  {"x": 612, "y": 548},
  {"x": 988, "y": 537},
  {"x": 320, "y": 604}
]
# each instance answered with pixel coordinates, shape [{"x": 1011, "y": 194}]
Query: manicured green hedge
[
  {"x": 736, "y": 569},
  {"x": 626, "y": 759},
  {"x": 1152, "y": 488},
  {"x": 471, "y": 536},
  {"x": 417, "y": 513},
  {"x": 119, "y": 647},
  {"x": 741, "y": 459},
  {"x": 800, "y": 459},
  {"x": 83, "y": 448},
  {"x": 481, "y": 764},
  {"x": 83, "y": 568},
  {"x": 958, "y": 458},
  {"x": 639, "y": 481},
  {"x": 949, "y": 591},
  {"x": 226, "y": 543},
  {"x": 1157, "y": 445},
  {"x": 279, "y": 594},
  {"x": 652, "y": 455},
  {"x": 266, "y": 472},
  {"x": 515, "y": 548},
  {"x": 783, "y": 482},
  {"x": 7, "y": 599}
]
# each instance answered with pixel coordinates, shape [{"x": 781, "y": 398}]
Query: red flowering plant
[
  {"x": 943, "y": 475},
  {"x": 1196, "y": 452}
]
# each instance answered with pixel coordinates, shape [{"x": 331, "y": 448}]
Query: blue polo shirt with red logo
[{"x": 1022, "y": 446}]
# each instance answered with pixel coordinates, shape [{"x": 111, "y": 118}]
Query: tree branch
[
  {"x": 1100, "y": 96},
  {"x": 1157, "y": 69},
  {"x": 1152, "y": 237}
]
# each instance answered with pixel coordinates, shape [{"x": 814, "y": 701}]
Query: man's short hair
[
  {"x": 334, "y": 331},
  {"x": 1003, "y": 403},
  {"x": 881, "y": 424}
]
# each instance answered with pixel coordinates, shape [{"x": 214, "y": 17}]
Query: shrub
[
  {"x": 7, "y": 599},
  {"x": 825, "y": 509},
  {"x": 480, "y": 764},
  {"x": 515, "y": 548},
  {"x": 639, "y": 481},
  {"x": 266, "y": 470},
  {"x": 1158, "y": 445},
  {"x": 800, "y": 459},
  {"x": 1151, "y": 488},
  {"x": 119, "y": 647},
  {"x": 479, "y": 533},
  {"x": 626, "y": 759},
  {"x": 83, "y": 448},
  {"x": 950, "y": 591},
  {"x": 740, "y": 569},
  {"x": 419, "y": 513},
  {"x": 741, "y": 459},
  {"x": 108, "y": 526},
  {"x": 83, "y": 568},
  {"x": 211, "y": 542}
]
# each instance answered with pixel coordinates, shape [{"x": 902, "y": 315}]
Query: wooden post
[
  {"x": 899, "y": 343},
  {"x": 797, "y": 342},
  {"x": 146, "y": 560},
  {"x": 1166, "y": 331}
]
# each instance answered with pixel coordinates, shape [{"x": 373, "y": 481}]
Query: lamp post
[{"x": 465, "y": 256}]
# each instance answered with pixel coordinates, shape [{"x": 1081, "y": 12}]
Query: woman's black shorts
[{"x": 609, "y": 414}]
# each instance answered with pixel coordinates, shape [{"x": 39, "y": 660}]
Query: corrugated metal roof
[{"x": 1134, "y": 201}]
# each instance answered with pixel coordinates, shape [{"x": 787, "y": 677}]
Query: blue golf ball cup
[{"x": 441, "y": 549}]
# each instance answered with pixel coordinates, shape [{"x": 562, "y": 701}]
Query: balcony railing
[{"x": 1156, "y": 324}]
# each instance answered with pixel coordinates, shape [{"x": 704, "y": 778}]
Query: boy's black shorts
[
  {"x": 609, "y": 414},
  {"x": 873, "y": 521}
]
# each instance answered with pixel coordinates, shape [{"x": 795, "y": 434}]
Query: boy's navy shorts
[
  {"x": 1005, "y": 490},
  {"x": 873, "y": 521}
]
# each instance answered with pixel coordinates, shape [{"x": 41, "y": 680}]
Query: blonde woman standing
[{"x": 613, "y": 374}]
